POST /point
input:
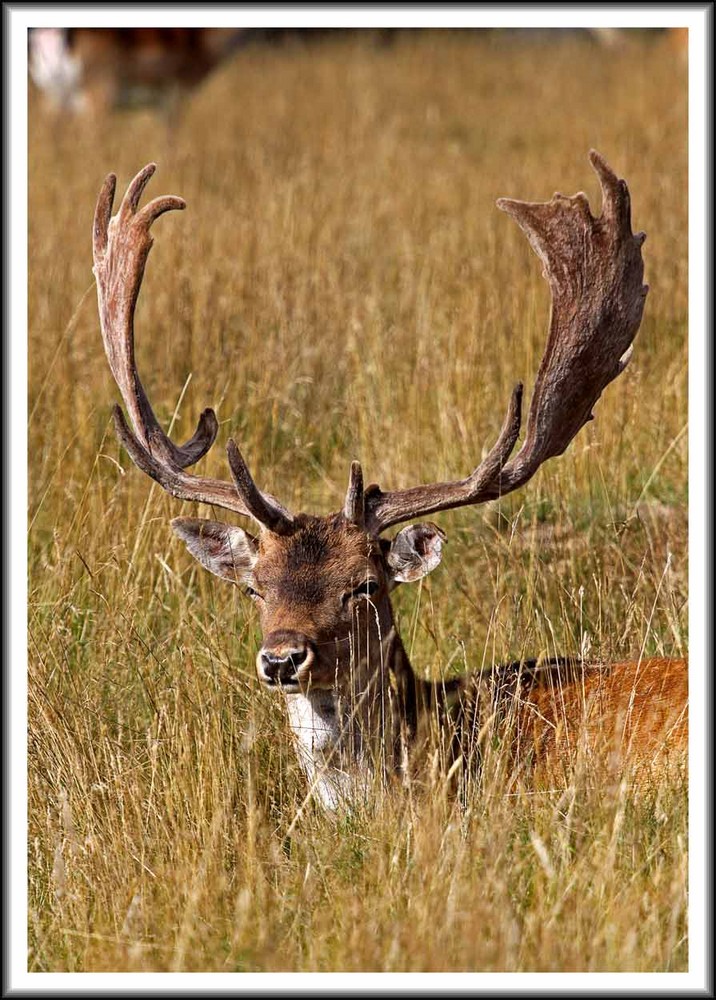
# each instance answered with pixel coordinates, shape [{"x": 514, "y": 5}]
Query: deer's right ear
[{"x": 224, "y": 550}]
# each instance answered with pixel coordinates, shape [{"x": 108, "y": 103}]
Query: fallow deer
[
  {"x": 321, "y": 584},
  {"x": 97, "y": 69}
]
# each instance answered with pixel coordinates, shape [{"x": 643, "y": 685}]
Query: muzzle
[{"x": 284, "y": 660}]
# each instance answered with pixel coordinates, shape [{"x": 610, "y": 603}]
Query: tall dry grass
[{"x": 342, "y": 286}]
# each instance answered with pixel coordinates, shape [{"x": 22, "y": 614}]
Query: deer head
[
  {"x": 321, "y": 588},
  {"x": 321, "y": 584}
]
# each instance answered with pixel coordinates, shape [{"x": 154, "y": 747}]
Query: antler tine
[
  {"x": 594, "y": 269},
  {"x": 121, "y": 246},
  {"x": 616, "y": 201},
  {"x": 354, "y": 505},
  {"x": 263, "y": 508}
]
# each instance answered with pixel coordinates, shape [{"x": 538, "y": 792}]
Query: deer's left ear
[{"x": 414, "y": 552}]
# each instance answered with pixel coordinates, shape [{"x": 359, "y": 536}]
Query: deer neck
[{"x": 347, "y": 735}]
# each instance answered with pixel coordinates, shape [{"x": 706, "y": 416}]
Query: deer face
[{"x": 321, "y": 590}]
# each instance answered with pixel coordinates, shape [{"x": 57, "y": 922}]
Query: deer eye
[
  {"x": 367, "y": 589},
  {"x": 253, "y": 594}
]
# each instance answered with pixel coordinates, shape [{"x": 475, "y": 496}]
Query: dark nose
[{"x": 281, "y": 657}]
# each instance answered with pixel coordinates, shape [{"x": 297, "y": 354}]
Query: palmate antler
[
  {"x": 121, "y": 246},
  {"x": 594, "y": 268}
]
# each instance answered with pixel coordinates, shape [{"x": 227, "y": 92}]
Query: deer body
[{"x": 322, "y": 584}]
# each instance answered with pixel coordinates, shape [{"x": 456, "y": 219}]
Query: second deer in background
[{"x": 93, "y": 70}]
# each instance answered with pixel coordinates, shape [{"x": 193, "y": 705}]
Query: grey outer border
[{"x": 7, "y": 428}]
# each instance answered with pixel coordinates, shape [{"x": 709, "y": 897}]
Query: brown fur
[
  {"x": 634, "y": 711},
  {"x": 304, "y": 580},
  {"x": 630, "y": 715}
]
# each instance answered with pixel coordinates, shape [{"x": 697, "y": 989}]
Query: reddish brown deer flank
[{"x": 322, "y": 584}]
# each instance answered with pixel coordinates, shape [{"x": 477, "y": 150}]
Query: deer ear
[
  {"x": 415, "y": 551},
  {"x": 224, "y": 550}
]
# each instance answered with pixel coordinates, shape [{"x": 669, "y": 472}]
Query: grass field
[{"x": 342, "y": 286}]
